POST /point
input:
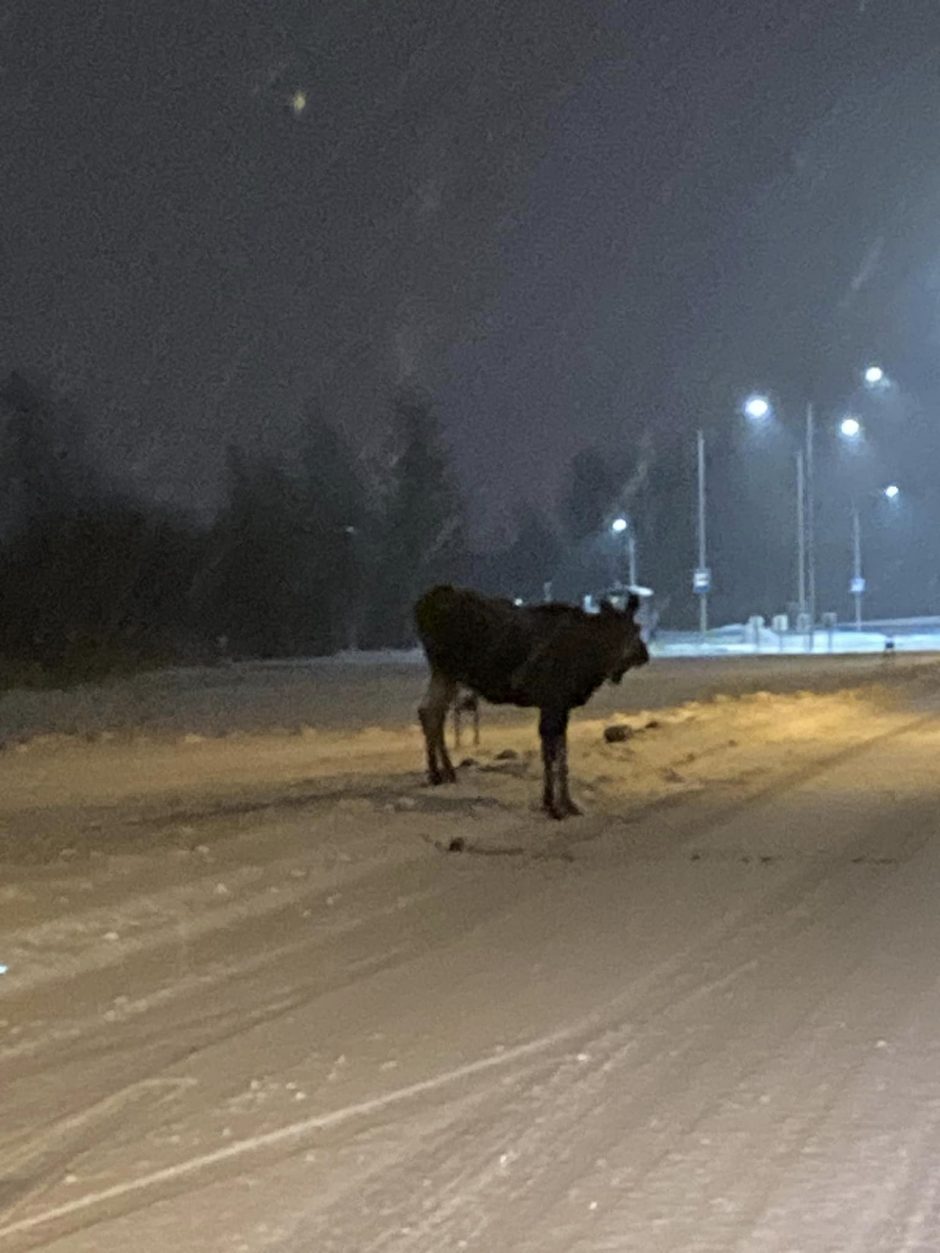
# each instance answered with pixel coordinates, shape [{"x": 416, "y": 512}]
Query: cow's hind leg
[{"x": 433, "y": 715}]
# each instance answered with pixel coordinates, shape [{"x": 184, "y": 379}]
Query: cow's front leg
[
  {"x": 563, "y": 800},
  {"x": 556, "y": 802}
]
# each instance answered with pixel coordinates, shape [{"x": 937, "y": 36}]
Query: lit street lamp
[
  {"x": 757, "y": 407},
  {"x": 850, "y": 428},
  {"x": 621, "y": 526},
  {"x": 858, "y": 584}
]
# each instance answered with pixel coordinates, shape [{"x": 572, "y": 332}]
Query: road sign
[
  {"x": 702, "y": 581},
  {"x": 857, "y": 586}
]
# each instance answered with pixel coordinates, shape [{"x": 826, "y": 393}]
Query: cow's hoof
[{"x": 560, "y": 810}]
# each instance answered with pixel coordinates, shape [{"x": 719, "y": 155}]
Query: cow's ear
[{"x": 633, "y": 604}]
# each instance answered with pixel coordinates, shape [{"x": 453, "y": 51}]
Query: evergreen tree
[
  {"x": 45, "y": 466},
  {"x": 337, "y": 528},
  {"x": 592, "y": 494},
  {"x": 533, "y": 557},
  {"x": 422, "y": 539},
  {"x": 255, "y": 593}
]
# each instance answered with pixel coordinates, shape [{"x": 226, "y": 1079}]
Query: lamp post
[
  {"x": 621, "y": 526},
  {"x": 801, "y": 531},
  {"x": 702, "y": 579},
  {"x": 758, "y": 408},
  {"x": 809, "y": 518},
  {"x": 850, "y": 430},
  {"x": 858, "y": 585}
]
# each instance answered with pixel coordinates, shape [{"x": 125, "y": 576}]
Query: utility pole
[
  {"x": 800, "y": 533},
  {"x": 810, "y": 517},
  {"x": 702, "y": 581},
  {"x": 631, "y": 558},
  {"x": 858, "y": 582}
]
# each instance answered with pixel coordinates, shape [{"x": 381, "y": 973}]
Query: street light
[
  {"x": 621, "y": 526},
  {"x": 851, "y": 428},
  {"x": 702, "y": 578},
  {"x": 858, "y": 584},
  {"x": 757, "y": 407}
]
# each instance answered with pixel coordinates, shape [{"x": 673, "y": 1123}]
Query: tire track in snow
[
  {"x": 461, "y": 1183},
  {"x": 45, "y": 1160},
  {"x": 418, "y": 899},
  {"x": 284, "y": 1138},
  {"x": 827, "y": 898},
  {"x": 654, "y": 986}
]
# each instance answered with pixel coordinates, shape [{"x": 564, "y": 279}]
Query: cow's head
[{"x": 628, "y": 650}]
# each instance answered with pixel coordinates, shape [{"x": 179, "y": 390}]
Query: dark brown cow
[{"x": 548, "y": 657}]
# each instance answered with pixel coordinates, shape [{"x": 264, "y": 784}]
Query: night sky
[{"x": 569, "y": 221}]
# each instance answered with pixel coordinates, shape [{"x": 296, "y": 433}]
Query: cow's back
[{"x": 477, "y": 641}]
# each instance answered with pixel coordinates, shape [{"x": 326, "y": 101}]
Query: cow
[{"x": 551, "y": 657}]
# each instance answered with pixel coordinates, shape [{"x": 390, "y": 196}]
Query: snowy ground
[
  {"x": 251, "y": 1004},
  {"x": 745, "y": 641},
  {"x": 362, "y": 691}
]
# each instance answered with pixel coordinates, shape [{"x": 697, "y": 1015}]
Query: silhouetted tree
[
  {"x": 422, "y": 537},
  {"x": 90, "y": 580},
  {"x": 45, "y": 469},
  {"x": 533, "y": 557},
  {"x": 591, "y": 494},
  {"x": 338, "y": 531},
  {"x": 254, "y": 594}
]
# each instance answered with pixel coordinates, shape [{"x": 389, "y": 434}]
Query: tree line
[{"x": 308, "y": 554}]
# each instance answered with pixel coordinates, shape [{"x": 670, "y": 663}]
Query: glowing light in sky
[
  {"x": 298, "y": 102},
  {"x": 851, "y": 428}
]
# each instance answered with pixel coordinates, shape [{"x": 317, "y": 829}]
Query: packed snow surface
[{"x": 249, "y": 1000}]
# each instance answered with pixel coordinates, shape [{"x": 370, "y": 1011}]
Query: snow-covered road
[{"x": 250, "y": 1004}]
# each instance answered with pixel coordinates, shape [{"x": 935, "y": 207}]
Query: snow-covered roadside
[
  {"x": 358, "y": 692},
  {"x": 224, "y": 951},
  {"x": 743, "y": 641},
  {"x": 119, "y": 851}
]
